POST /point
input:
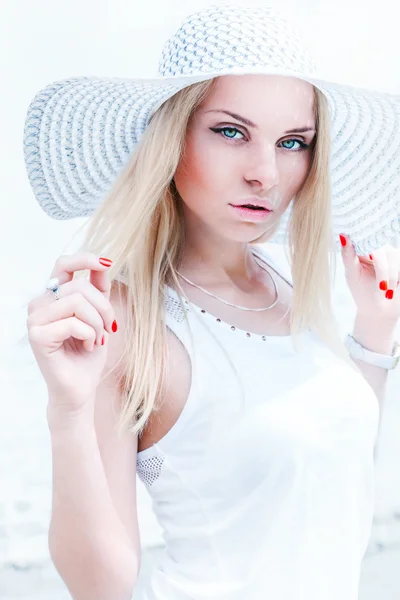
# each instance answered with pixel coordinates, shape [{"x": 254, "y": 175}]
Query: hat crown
[{"x": 221, "y": 37}]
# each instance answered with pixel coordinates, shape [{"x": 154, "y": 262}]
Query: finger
[
  {"x": 50, "y": 336},
  {"x": 393, "y": 272},
  {"x": 71, "y": 306},
  {"x": 82, "y": 288},
  {"x": 381, "y": 267},
  {"x": 66, "y": 265},
  {"x": 101, "y": 280},
  {"x": 349, "y": 255}
]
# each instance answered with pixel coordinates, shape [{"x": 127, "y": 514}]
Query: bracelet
[{"x": 359, "y": 352}]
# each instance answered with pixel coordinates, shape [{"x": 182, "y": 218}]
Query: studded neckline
[{"x": 224, "y": 325}]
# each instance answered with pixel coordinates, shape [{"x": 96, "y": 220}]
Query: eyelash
[{"x": 303, "y": 145}]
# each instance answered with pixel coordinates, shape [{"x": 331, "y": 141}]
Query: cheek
[
  {"x": 294, "y": 173},
  {"x": 199, "y": 169}
]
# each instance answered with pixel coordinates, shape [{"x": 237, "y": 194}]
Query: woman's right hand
[{"x": 66, "y": 334}]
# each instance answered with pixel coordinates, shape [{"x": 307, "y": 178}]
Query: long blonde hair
[{"x": 140, "y": 227}]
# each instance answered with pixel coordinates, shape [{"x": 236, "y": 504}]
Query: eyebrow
[{"x": 251, "y": 124}]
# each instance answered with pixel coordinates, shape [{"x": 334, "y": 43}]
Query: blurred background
[{"x": 43, "y": 41}]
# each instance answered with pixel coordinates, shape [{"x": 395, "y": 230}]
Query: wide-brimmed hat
[{"x": 80, "y": 132}]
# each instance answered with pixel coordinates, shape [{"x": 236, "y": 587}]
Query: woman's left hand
[{"x": 373, "y": 281}]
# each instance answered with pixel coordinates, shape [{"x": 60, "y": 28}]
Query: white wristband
[{"x": 385, "y": 361}]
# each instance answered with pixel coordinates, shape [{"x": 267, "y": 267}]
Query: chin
[
  {"x": 264, "y": 237},
  {"x": 245, "y": 237}
]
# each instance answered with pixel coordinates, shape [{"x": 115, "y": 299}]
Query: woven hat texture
[{"x": 80, "y": 132}]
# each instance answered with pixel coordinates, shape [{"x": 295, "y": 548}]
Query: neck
[{"x": 225, "y": 267}]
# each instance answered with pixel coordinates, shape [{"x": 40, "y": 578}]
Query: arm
[
  {"x": 88, "y": 543},
  {"x": 94, "y": 537},
  {"x": 378, "y": 337}
]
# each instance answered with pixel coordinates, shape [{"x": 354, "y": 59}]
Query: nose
[{"x": 263, "y": 168}]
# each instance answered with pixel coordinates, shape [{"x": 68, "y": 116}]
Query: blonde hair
[{"x": 140, "y": 227}]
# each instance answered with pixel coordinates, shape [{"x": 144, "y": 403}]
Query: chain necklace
[{"x": 235, "y": 305}]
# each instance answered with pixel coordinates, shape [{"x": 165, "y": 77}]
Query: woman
[{"x": 227, "y": 384}]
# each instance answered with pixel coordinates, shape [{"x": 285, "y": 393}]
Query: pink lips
[
  {"x": 256, "y": 201},
  {"x": 250, "y": 214}
]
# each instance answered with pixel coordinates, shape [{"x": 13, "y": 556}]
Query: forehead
[{"x": 258, "y": 96}]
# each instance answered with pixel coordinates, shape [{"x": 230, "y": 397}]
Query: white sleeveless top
[{"x": 264, "y": 487}]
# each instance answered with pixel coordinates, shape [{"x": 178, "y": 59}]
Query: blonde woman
[{"x": 188, "y": 355}]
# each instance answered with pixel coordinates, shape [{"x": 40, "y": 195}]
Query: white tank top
[{"x": 264, "y": 487}]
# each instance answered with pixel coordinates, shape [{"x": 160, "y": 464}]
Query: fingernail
[
  {"x": 102, "y": 341},
  {"x": 383, "y": 285},
  {"x": 389, "y": 294},
  {"x": 342, "y": 240},
  {"x": 114, "y": 326},
  {"x": 371, "y": 257},
  {"x": 106, "y": 262}
]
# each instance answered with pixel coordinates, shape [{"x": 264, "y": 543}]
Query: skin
[{"x": 226, "y": 167}]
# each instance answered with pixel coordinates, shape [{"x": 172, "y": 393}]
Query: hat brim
[{"x": 80, "y": 132}]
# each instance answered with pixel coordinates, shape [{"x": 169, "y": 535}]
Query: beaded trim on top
[
  {"x": 173, "y": 307},
  {"x": 176, "y": 311}
]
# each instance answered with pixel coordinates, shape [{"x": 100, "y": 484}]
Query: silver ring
[{"x": 53, "y": 285}]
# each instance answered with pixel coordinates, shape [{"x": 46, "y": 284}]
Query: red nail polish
[
  {"x": 102, "y": 341},
  {"x": 371, "y": 257},
  {"x": 342, "y": 240},
  {"x": 106, "y": 262},
  {"x": 114, "y": 326},
  {"x": 389, "y": 294},
  {"x": 383, "y": 285}
]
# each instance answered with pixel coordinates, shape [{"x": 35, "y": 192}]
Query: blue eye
[
  {"x": 231, "y": 131},
  {"x": 302, "y": 146}
]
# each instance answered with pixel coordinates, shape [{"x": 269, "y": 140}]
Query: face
[{"x": 253, "y": 152}]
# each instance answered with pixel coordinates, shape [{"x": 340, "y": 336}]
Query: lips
[
  {"x": 255, "y": 203},
  {"x": 253, "y": 214},
  {"x": 252, "y": 207}
]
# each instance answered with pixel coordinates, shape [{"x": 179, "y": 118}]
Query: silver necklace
[{"x": 235, "y": 305}]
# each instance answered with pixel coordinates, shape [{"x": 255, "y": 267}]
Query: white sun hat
[{"x": 80, "y": 132}]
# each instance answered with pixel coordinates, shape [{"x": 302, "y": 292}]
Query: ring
[{"x": 53, "y": 285}]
